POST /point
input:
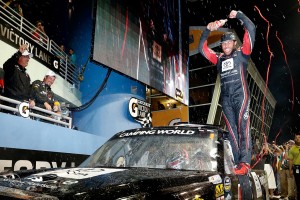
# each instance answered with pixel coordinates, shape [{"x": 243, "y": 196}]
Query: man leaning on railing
[
  {"x": 43, "y": 96},
  {"x": 41, "y": 91}
]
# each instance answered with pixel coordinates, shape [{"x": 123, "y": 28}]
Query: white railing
[
  {"x": 37, "y": 113},
  {"x": 17, "y": 22}
]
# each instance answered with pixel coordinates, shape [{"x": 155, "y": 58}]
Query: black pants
[
  {"x": 237, "y": 119},
  {"x": 296, "y": 172}
]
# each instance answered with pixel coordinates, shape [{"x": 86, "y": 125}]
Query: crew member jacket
[
  {"x": 16, "y": 79},
  {"x": 41, "y": 93}
]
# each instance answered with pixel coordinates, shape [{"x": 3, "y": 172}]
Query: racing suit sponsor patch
[{"x": 227, "y": 64}]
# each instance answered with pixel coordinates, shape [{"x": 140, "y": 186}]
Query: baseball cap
[
  {"x": 291, "y": 141},
  {"x": 228, "y": 36},
  {"x": 50, "y": 73},
  {"x": 27, "y": 53}
]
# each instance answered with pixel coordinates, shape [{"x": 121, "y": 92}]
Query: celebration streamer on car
[
  {"x": 278, "y": 134},
  {"x": 268, "y": 70},
  {"x": 267, "y": 79},
  {"x": 288, "y": 66},
  {"x": 260, "y": 156},
  {"x": 292, "y": 84},
  {"x": 267, "y": 76}
]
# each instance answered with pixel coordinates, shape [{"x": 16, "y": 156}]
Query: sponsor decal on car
[
  {"x": 77, "y": 173},
  {"x": 216, "y": 179},
  {"x": 219, "y": 190},
  {"x": 227, "y": 184},
  {"x": 158, "y": 132}
]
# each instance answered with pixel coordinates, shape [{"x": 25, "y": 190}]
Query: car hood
[{"x": 89, "y": 183}]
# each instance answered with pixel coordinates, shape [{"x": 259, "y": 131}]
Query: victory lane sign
[{"x": 16, "y": 38}]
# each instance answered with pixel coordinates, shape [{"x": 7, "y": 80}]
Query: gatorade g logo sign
[
  {"x": 140, "y": 111},
  {"x": 24, "y": 109},
  {"x": 55, "y": 64}
]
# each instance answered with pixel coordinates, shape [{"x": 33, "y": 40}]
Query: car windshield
[{"x": 158, "y": 151}]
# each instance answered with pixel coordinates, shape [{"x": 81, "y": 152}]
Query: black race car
[{"x": 176, "y": 162}]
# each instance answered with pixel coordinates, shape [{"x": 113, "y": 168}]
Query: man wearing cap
[
  {"x": 232, "y": 65},
  {"x": 41, "y": 91},
  {"x": 16, "y": 79}
]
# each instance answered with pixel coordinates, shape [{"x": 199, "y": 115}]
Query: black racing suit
[
  {"x": 16, "y": 79},
  {"x": 41, "y": 93},
  {"x": 235, "y": 95}
]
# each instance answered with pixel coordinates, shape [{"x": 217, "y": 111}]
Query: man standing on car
[{"x": 232, "y": 65}]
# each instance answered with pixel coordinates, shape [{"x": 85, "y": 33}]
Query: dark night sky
[{"x": 284, "y": 19}]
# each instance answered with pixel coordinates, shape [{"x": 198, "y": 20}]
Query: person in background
[
  {"x": 56, "y": 107},
  {"x": 160, "y": 106},
  {"x": 57, "y": 110},
  {"x": 275, "y": 165},
  {"x": 62, "y": 48},
  {"x": 286, "y": 181},
  {"x": 41, "y": 91},
  {"x": 294, "y": 168},
  {"x": 72, "y": 56},
  {"x": 39, "y": 33},
  {"x": 291, "y": 180},
  {"x": 267, "y": 153},
  {"x": 16, "y": 79},
  {"x": 15, "y": 5},
  {"x": 61, "y": 55}
]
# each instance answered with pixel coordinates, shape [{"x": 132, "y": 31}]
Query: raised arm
[
  {"x": 8, "y": 65},
  {"x": 250, "y": 30},
  {"x": 208, "y": 53}
]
